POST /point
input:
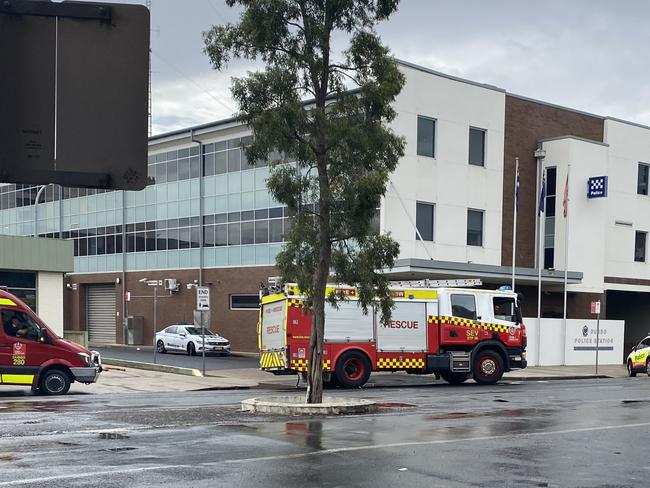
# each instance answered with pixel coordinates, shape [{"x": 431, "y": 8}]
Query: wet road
[
  {"x": 563, "y": 433},
  {"x": 212, "y": 362}
]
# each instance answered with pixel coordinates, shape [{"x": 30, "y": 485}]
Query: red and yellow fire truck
[{"x": 454, "y": 333}]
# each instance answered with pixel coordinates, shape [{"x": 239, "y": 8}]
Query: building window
[
  {"x": 244, "y": 302},
  {"x": 424, "y": 221},
  {"x": 476, "y": 146},
  {"x": 426, "y": 136},
  {"x": 639, "y": 246},
  {"x": 642, "y": 183},
  {"x": 475, "y": 227},
  {"x": 463, "y": 306}
]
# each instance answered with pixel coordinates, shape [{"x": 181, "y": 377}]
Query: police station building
[{"x": 207, "y": 218}]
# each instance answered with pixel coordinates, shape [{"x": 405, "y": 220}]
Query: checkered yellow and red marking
[
  {"x": 461, "y": 322},
  {"x": 400, "y": 362},
  {"x": 300, "y": 365}
]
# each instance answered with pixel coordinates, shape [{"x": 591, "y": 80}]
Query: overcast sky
[{"x": 586, "y": 54}]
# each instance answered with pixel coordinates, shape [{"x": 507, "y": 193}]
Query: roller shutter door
[{"x": 100, "y": 314}]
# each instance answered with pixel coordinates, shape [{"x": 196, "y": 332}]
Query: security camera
[{"x": 189, "y": 286}]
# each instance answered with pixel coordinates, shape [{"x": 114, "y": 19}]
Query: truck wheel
[
  {"x": 630, "y": 370},
  {"x": 160, "y": 345},
  {"x": 488, "y": 367},
  {"x": 352, "y": 369},
  {"x": 454, "y": 378},
  {"x": 191, "y": 349},
  {"x": 55, "y": 382}
]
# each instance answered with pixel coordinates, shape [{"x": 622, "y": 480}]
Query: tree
[{"x": 330, "y": 156}]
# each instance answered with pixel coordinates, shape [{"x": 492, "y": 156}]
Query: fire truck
[{"x": 436, "y": 327}]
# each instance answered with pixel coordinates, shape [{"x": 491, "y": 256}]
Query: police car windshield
[{"x": 197, "y": 331}]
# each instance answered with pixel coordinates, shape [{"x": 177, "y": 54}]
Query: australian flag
[{"x": 517, "y": 185}]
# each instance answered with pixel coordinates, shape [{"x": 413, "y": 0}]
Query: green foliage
[{"x": 337, "y": 149}]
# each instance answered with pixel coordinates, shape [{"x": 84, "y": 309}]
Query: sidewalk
[{"x": 123, "y": 380}]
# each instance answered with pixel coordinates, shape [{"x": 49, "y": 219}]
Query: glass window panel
[
  {"x": 221, "y": 163},
  {"x": 183, "y": 169},
  {"x": 130, "y": 243},
  {"x": 221, "y": 218},
  {"x": 426, "y": 137},
  {"x": 221, "y": 146},
  {"x": 551, "y": 184},
  {"x": 184, "y": 153},
  {"x": 247, "y": 233},
  {"x": 150, "y": 244},
  {"x": 83, "y": 247},
  {"x": 463, "y": 306},
  {"x": 248, "y": 215},
  {"x": 474, "y": 228},
  {"x": 476, "y": 146},
  {"x": 221, "y": 235},
  {"x": 172, "y": 239},
  {"x": 172, "y": 170},
  {"x": 110, "y": 244},
  {"x": 234, "y": 160},
  {"x": 161, "y": 240},
  {"x": 208, "y": 165},
  {"x": 208, "y": 236},
  {"x": 275, "y": 212},
  {"x": 261, "y": 214},
  {"x": 642, "y": 182},
  {"x": 118, "y": 244},
  {"x": 234, "y": 143},
  {"x": 244, "y": 161},
  {"x": 195, "y": 237},
  {"x": 234, "y": 234},
  {"x": 195, "y": 167},
  {"x": 92, "y": 246},
  {"x": 275, "y": 230},
  {"x": 261, "y": 231},
  {"x": 184, "y": 238},
  {"x": 640, "y": 246},
  {"x": 184, "y": 222},
  {"x": 208, "y": 148},
  {"x": 101, "y": 245},
  {"x": 424, "y": 221},
  {"x": 140, "y": 240}
]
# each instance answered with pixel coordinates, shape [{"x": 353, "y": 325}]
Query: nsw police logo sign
[{"x": 597, "y": 187}]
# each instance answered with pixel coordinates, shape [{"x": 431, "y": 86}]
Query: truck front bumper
[{"x": 86, "y": 375}]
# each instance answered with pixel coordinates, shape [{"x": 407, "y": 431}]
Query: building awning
[
  {"x": 36, "y": 254},
  {"x": 417, "y": 269}
]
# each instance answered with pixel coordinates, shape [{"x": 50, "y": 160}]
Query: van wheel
[
  {"x": 55, "y": 382},
  {"x": 630, "y": 370},
  {"x": 160, "y": 345},
  {"x": 352, "y": 369},
  {"x": 191, "y": 349},
  {"x": 488, "y": 367},
  {"x": 454, "y": 378}
]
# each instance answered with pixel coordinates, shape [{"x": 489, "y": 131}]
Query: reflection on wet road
[{"x": 563, "y": 433}]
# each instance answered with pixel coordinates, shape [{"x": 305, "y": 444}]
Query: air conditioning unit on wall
[{"x": 171, "y": 284}]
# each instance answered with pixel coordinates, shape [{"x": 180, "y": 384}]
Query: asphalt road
[
  {"x": 212, "y": 362},
  {"x": 562, "y": 433}
]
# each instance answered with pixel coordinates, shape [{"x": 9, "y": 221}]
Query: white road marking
[{"x": 323, "y": 452}]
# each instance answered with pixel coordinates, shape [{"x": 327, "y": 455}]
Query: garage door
[{"x": 100, "y": 314}]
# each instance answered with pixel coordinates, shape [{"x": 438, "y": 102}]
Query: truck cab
[{"x": 31, "y": 354}]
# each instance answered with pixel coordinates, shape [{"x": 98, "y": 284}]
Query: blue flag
[{"x": 542, "y": 196}]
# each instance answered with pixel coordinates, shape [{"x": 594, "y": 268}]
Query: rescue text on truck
[{"x": 453, "y": 333}]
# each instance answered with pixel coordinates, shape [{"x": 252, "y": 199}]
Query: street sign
[
  {"x": 74, "y": 110},
  {"x": 595, "y": 308},
  {"x": 202, "y": 298},
  {"x": 127, "y": 296},
  {"x": 597, "y": 187}
]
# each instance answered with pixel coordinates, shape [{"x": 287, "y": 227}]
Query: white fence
[{"x": 576, "y": 345}]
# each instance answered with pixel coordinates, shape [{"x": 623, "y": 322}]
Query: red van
[{"x": 32, "y": 355}]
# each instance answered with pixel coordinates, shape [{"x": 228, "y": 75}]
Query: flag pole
[
  {"x": 540, "y": 264},
  {"x": 514, "y": 225},
  {"x": 566, "y": 251}
]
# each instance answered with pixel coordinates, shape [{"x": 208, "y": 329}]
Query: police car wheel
[
  {"x": 191, "y": 349},
  {"x": 488, "y": 367},
  {"x": 647, "y": 367},
  {"x": 630, "y": 370},
  {"x": 352, "y": 369},
  {"x": 160, "y": 345},
  {"x": 55, "y": 382}
]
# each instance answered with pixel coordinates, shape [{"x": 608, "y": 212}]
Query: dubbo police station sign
[{"x": 597, "y": 187}]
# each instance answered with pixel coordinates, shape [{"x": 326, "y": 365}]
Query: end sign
[
  {"x": 595, "y": 308},
  {"x": 202, "y": 298}
]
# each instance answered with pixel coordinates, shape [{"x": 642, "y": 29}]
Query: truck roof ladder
[{"x": 437, "y": 283}]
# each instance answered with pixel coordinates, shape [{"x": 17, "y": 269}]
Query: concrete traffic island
[{"x": 295, "y": 405}]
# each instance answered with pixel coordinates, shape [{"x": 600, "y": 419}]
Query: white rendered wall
[
  {"x": 49, "y": 297},
  {"x": 628, "y": 145},
  {"x": 448, "y": 180},
  {"x": 575, "y": 348}
]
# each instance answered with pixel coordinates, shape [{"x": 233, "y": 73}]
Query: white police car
[
  {"x": 188, "y": 339},
  {"x": 638, "y": 361}
]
